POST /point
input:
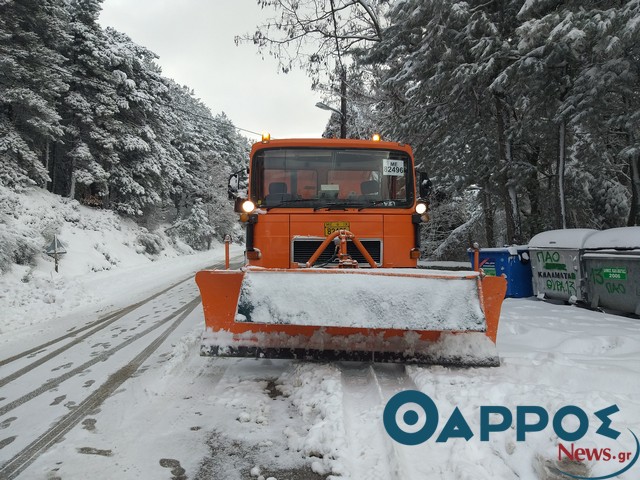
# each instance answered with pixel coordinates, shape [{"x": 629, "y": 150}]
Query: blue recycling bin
[{"x": 512, "y": 262}]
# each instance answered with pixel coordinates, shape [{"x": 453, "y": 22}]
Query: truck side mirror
[
  {"x": 232, "y": 188},
  {"x": 237, "y": 204},
  {"x": 424, "y": 185}
]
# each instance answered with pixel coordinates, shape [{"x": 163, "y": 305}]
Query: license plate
[{"x": 330, "y": 227}]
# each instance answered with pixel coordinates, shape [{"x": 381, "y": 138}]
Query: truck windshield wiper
[
  {"x": 332, "y": 206},
  {"x": 375, "y": 203},
  {"x": 340, "y": 205},
  {"x": 284, "y": 203}
]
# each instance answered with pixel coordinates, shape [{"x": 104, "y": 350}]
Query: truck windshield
[{"x": 331, "y": 178}]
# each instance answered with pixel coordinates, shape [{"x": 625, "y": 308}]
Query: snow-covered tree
[
  {"x": 32, "y": 33},
  {"x": 531, "y": 101},
  {"x": 195, "y": 229},
  {"x": 86, "y": 112}
]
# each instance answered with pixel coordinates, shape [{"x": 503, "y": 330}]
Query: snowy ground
[
  {"x": 100, "y": 376},
  {"x": 179, "y": 415},
  {"x": 102, "y": 249}
]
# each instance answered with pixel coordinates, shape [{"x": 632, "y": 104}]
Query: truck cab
[{"x": 300, "y": 191}]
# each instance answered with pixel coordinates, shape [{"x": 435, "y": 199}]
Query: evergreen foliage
[
  {"x": 86, "y": 113},
  {"x": 195, "y": 229},
  {"x": 532, "y": 103}
]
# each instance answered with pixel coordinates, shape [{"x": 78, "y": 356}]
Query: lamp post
[
  {"x": 343, "y": 121},
  {"x": 324, "y": 106},
  {"x": 343, "y": 106}
]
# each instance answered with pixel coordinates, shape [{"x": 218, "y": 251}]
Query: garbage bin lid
[
  {"x": 511, "y": 250},
  {"x": 567, "y": 238},
  {"x": 623, "y": 237}
]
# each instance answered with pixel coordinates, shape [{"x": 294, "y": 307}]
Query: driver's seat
[
  {"x": 370, "y": 190},
  {"x": 277, "y": 194}
]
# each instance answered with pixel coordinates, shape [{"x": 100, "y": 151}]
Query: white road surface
[{"x": 125, "y": 394}]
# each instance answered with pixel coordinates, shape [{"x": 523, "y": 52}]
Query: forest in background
[
  {"x": 86, "y": 113},
  {"x": 524, "y": 112}
]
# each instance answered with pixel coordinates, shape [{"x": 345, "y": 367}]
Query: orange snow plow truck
[{"x": 332, "y": 244}]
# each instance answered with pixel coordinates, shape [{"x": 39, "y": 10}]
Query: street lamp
[
  {"x": 343, "y": 105},
  {"x": 324, "y": 106},
  {"x": 343, "y": 119}
]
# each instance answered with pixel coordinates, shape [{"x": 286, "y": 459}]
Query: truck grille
[{"x": 303, "y": 249}]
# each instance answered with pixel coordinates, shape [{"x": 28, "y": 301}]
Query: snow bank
[
  {"x": 315, "y": 391},
  {"x": 107, "y": 264},
  {"x": 552, "y": 356}
]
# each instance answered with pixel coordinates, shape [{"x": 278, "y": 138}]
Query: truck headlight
[{"x": 248, "y": 206}]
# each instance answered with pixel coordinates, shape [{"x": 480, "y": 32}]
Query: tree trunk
[
  {"x": 62, "y": 182},
  {"x": 513, "y": 197},
  {"x": 535, "y": 221},
  {"x": 508, "y": 191},
  {"x": 47, "y": 164},
  {"x": 72, "y": 187},
  {"x": 487, "y": 211},
  {"x": 634, "y": 212},
  {"x": 560, "y": 169}
]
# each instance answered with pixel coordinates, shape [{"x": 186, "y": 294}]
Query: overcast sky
[{"x": 194, "y": 39}]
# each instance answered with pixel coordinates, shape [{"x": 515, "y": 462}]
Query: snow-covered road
[{"x": 127, "y": 396}]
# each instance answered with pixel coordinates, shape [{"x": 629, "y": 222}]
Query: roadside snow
[
  {"x": 106, "y": 265},
  {"x": 230, "y": 418},
  {"x": 552, "y": 356}
]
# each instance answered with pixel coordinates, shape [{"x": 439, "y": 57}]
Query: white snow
[
  {"x": 623, "y": 237},
  {"x": 571, "y": 238},
  {"x": 105, "y": 266},
  {"x": 239, "y": 418},
  {"x": 443, "y": 265},
  {"x": 412, "y": 299},
  {"x": 184, "y": 409}
]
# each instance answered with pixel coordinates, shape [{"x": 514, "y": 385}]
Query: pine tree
[
  {"x": 32, "y": 33},
  {"x": 195, "y": 229}
]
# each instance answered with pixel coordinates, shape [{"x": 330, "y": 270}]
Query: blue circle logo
[{"x": 410, "y": 417}]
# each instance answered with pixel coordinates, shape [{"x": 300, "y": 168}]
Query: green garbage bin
[
  {"x": 612, "y": 265},
  {"x": 555, "y": 264}
]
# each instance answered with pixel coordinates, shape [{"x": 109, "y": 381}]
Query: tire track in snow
[
  {"x": 100, "y": 323},
  {"x": 54, "y": 382},
  {"x": 251, "y": 416},
  {"x": 366, "y": 388},
  {"x": 23, "y": 459},
  {"x": 103, "y": 323},
  {"x": 40, "y": 348}
]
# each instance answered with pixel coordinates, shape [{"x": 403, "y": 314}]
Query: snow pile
[
  {"x": 247, "y": 399},
  {"x": 316, "y": 393},
  {"x": 552, "y": 356},
  {"x": 99, "y": 245},
  {"x": 390, "y": 298}
]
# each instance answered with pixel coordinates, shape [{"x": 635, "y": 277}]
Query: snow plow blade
[{"x": 382, "y": 315}]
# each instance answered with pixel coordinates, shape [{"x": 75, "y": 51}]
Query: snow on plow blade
[{"x": 405, "y": 315}]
